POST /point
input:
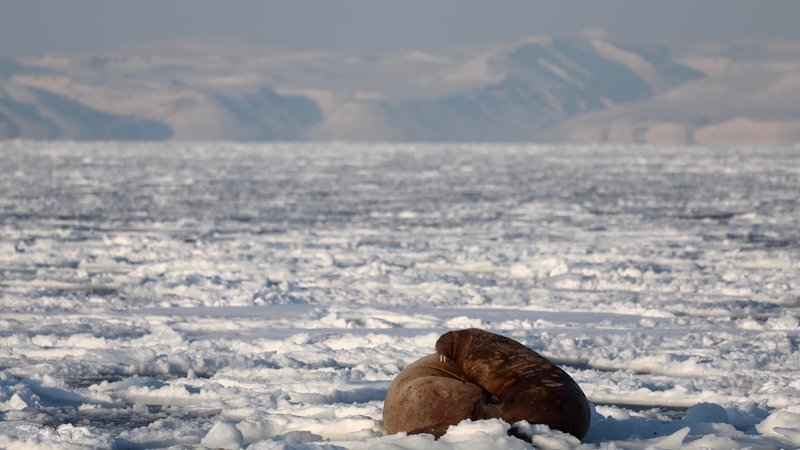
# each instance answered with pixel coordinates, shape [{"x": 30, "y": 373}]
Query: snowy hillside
[
  {"x": 749, "y": 95},
  {"x": 264, "y": 296},
  {"x": 580, "y": 89}
]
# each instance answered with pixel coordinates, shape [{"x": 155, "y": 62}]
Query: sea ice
[{"x": 265, "y": 295}]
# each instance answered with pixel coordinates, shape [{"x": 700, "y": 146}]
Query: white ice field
[{"x": 264, "y": 296}]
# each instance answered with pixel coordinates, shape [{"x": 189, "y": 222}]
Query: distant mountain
[
  {"x": 544, "y": 82},
  {"x": 750, "y": 94},
  {"x": 45, "y": 115},
  {"x": 266, "y": 115},
  {"x": 586, "y": 88}
]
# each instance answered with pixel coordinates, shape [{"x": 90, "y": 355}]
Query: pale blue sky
[{"x": 32, "y": 27}]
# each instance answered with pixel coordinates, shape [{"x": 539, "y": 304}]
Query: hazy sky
[{"x": 32, "y": 27}]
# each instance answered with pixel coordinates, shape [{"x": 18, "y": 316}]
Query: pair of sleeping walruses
[{"x": 475, "y": 374}]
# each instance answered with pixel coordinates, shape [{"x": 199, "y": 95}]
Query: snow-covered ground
[{"x": 265, "y": 296}]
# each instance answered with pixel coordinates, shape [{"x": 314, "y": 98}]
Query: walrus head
[
  {"x": 446, "y": 346},
  {"x": 450, "y": 344}
]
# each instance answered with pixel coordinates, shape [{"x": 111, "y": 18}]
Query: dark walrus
[
  {"x": 524, "y": 385},
  {"x": 481, "y": 375}
]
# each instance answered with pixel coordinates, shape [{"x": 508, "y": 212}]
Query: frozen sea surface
[{"x": 226, "y": 296}]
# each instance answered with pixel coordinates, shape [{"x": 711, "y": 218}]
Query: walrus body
[
  {"x": 428, "y": 396},
  {"x": 523, "y": 384}
]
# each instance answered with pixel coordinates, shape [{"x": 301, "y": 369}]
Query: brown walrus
[
  {"x": 481, "y": 375},
  {"x": 428, "y": 396},
  {"x": 524, "y": 384}
]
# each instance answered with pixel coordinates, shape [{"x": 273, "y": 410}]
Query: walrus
[
  {"x": 523, "y": 384},
  {"x": 428, "y": 396},
  {"x": 480, "y": 375}
]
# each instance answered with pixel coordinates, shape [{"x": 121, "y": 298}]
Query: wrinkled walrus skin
[
  {"x": 428, "y": 396},
  {"x": 525, "y": 385}
]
